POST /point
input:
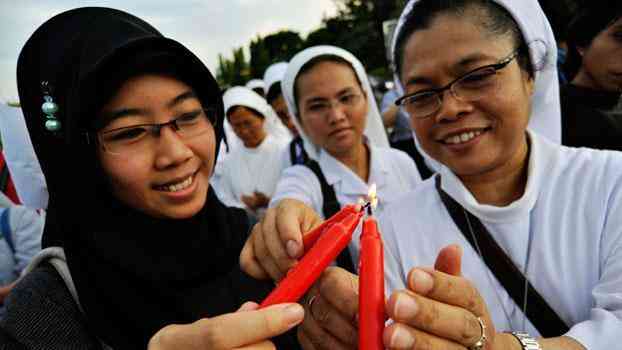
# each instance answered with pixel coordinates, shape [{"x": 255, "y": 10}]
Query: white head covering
[
  {"x": 255, "y": 83},
  {"x": 274, "y": 74},
  {"x": 546, "y": 111},
  {"x": 243, "y": 96},
  {"x": 374, "y": 130},
  {"x": 21, "y": 158}
]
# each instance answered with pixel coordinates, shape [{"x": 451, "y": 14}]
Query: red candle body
[
  {"x": 328, "y": 246},
  {"x": 371, "y": 288},
  {"x": 312, "y": 236}
]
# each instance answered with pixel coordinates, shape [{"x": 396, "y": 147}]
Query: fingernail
[
  {"x": 292, "y": 249},
  {"x": 402, "y": 339},
  {"x": 294, "y": 313},
  {"x": 422, "y": 282},
  {"x": 405, "y": 307}
]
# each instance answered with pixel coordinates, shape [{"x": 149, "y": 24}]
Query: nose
[
  {"x": 336, "y": 113},
  {"x": 171, "y": 149},
  {"x": 451, "y": 108}
]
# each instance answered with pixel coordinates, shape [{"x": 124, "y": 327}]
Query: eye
[
  {"x": 190, "y": 117},
  {"x": 347, "y": 99},
  {"x": 316, "y": 107},
  {"x": 126, "y": 134},
  {"x": 421, "y": 98},
  {"x": 478, "y": 78}
]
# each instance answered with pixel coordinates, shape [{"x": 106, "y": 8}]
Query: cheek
[
  {"x": 316, "y": 129},
  {"x": 128, "y": 177}
]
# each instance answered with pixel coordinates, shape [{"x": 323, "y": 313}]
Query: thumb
[
  {"x": 449, "y": 260},
  {"x": 250, "y": 327}
]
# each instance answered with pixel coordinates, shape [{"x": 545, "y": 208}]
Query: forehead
[
  {"x": 325, "y": 78},
  {"x": 447, "y": 41},
  {"x": 238, "y": 114},
  {"x": 148, "y": 89}
]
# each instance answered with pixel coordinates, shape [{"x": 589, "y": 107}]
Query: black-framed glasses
[
  {"x": 470, "y": 87},
  {"x": 141, "y": 137}
]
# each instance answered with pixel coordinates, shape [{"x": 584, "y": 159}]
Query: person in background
[
  {"x": 258, "y": 86},
  {"x": 139, "y": 253},
  {"x": 592, "y": 101},
  {"x": 21, "y": 228},
  {"x": 249, "y": 176},
  {"x": 21, "y": 160},
  {"x": 328, "y": 94},
  {"x": 295, "y": 153}
]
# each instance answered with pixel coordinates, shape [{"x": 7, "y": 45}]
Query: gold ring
[
  {"x": 481, "y": 342},
  {"x": 310, "y": 302}
]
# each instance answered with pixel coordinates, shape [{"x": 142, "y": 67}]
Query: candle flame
[{"x": 371, "y": 196}]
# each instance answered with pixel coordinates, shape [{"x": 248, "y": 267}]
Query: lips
[{"x": 338, "y": 131}]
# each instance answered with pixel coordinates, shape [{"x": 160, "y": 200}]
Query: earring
[{"x": 49, "y": 108}]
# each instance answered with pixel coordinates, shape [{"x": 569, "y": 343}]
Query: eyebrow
[
  {"x": 461, "y": 65},
  {"x": 108, "y": 117},
  {"x": 180, "y": 98},
  {"x": 322, "y": 99}
]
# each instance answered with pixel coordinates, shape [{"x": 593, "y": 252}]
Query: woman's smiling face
[
  {"x": 470, "y": 137},
  {"x": 170, "y": 178}
]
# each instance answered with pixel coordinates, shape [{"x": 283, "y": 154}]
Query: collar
[
  {"x": 346, "y": 181},
  {"x": 542, "y": 157}
]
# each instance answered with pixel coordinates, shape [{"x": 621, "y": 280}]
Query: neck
[
  {"x": 503, "y": 185},
  {"x": 357, "y": 160}
]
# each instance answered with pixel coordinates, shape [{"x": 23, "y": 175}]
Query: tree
[
  {"x": 280, "y": 46},
  {"x": 233, "y": 72}
]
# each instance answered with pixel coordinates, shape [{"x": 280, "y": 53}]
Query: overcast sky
[{"x": 207, "y": 27}]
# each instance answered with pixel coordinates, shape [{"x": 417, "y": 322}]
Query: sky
[{"x": 206, "y": 27}]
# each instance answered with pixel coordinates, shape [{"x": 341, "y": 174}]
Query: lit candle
[
  {"x": 371, "y": 282},
  {"x": 327, "y": 247}
]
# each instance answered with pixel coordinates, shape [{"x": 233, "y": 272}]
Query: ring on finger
[{"x": 481, "y": 342}]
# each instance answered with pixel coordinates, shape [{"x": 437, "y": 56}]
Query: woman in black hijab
[{"x": 124, "y": 122}]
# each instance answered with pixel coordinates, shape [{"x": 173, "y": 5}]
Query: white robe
[
  {"x": 247, "y": 170},
  {"x": 571, "y": 211},
  {"x": 392, "y": 171}
]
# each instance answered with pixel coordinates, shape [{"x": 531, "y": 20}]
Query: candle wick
[{"x": 368, "y": 209}]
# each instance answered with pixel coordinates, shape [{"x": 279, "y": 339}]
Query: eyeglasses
[
  {"x": 321, "y": 108},
  {"x": 470, "y": 87},
  {"x": 142, "y": 137}
]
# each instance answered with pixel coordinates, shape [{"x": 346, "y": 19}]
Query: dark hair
[
  {"x": 494, "y": 18},
  {"x": 252, "y": 110},
  {"x": 273, "y": 92},
  {"x": 314, "y": 62},
  {"x": 590, "y": 21}
]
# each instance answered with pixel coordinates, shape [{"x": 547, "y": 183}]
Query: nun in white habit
[
  {"x": 539, "y": 35},
  {"x": 249, "y": 176},
  {"x": 257, "y": 85},
  {"x": 21, "y": 158},
  {"x": 554, "y": 211},
  {"x": 328, "y": 93}
]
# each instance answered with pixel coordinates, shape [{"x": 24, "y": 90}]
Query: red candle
[
  {"x": 311, "y": 237},
  {"x": 300, "y": 278},
  {"x": 371, "y": 288}
]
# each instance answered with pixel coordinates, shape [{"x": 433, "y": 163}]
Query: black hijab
[{"x": 133, "y": 273}]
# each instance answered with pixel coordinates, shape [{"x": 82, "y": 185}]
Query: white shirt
[
  {"x": 246, "y": 170},
  {"x": 392, "y": 171},
  {"x": 571, "y": 211}
]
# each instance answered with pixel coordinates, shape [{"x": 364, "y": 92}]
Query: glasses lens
[
  {"x": 422, "y": 105},
  {"x": 475, "y": 85},
  {"x": 194, "y": 124},
  {"x": 117, "y": 141}
]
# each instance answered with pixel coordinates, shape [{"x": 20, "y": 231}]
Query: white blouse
[
  {"x": 246, "y": 170},
  {"x": 392, "y": 171},
  {"x": 566, "y": 231}
]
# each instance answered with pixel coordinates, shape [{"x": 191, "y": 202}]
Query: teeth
[
  {"x": 178, "y": 186},
  {"x": 462, "y": 138}
]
